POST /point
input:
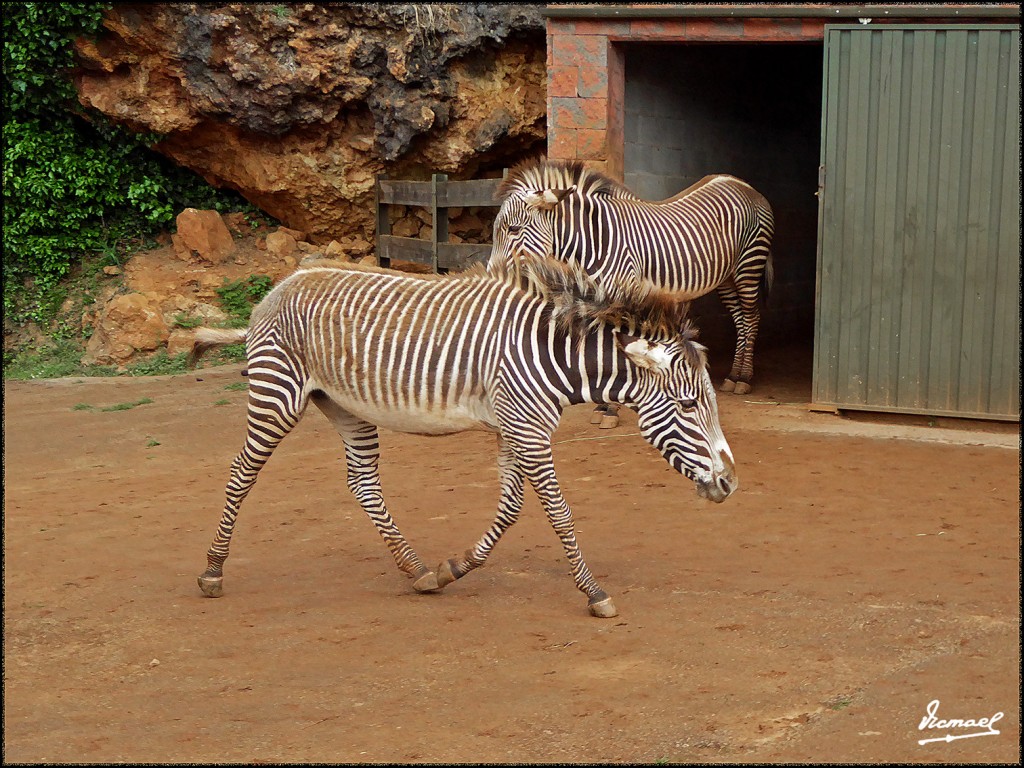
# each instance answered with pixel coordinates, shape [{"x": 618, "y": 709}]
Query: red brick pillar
[{"x": 585, "y": 93}]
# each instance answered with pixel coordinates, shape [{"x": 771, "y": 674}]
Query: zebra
[
  {"x": 714, "y": 235},
  {"x": 504, "y": 351}
]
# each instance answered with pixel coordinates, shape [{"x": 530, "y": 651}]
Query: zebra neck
[{"x": 592, "y": 368}]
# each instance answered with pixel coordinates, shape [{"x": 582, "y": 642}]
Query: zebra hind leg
[
  {"x": 272, "y": 414},
  {"x": 362, "y": 453},
  {"x": 745, "y": 317}
]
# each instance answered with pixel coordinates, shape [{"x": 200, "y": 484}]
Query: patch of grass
[
  {"x": 237, "y": 386},
  {"x": 160, "y": 364},
  {"x": 127, "y": 406},
  {"x": 185, "y": 321},
  {"x": 837, "y": 703},
  {"x": 82, "y": 407},
  {"x": 62, "y": 358},
  {"x": 151, "y": 443},
  {"x": 238, "y": 297},
  {"x": 223, "y": 402}
]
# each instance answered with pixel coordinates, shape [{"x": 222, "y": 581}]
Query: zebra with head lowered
[
  {"x": 503, "y": 352},
  {"x": 714, "y": 235}
]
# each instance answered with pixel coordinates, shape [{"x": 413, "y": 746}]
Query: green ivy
[
  {"x": 73, "y": 185},
  {"x": 238, "y": 297},
  {"x": 38, "y": 54}
]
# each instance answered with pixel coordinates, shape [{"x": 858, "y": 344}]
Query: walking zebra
[
  {"x": 503, "y": 352},
  {"x": 714, "y": 235}
]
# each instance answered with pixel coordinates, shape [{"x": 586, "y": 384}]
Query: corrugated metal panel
[{"x": 918, "y": 287}]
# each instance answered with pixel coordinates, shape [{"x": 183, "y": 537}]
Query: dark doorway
[{"x": 751, "y": 110}]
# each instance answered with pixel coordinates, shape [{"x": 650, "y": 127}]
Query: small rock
[
  {"x": 205, "y": 234},
  {"x": 111, "y": 271},
  {"x": 280, "y": 244}
]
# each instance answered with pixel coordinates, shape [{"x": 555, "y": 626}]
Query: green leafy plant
[
  {"x": 159, "y": 364},
  {"x": 184, "y": 321},
  {"x": 238, "y": 297},
  {"x": 237, "y": 386},
  {"x": 72, "y": 182},
  {"x": 62, "y": 358}
]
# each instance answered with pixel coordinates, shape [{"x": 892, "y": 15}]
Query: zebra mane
[
  {"x": 537, "y": 175},
  {"x": 579, "y": 302}
]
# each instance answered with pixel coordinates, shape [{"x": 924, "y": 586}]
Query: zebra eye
[
  {"x": 515, "y": 229},
  {"x": 687, "y": 405}
]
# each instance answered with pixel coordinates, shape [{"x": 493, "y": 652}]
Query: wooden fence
[{"x": 437, "y": 195}]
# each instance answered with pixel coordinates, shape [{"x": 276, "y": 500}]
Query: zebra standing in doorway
[
  {"x": 714, "y": 235},
  {"x": 503, "y": 352}
]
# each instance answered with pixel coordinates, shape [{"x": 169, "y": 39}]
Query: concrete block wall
[{"x": 753, "y": 111}]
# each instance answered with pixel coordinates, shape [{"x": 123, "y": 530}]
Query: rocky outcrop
[
  {"x": 130, "y": 323},
  {"x": 300, "y": 106}
]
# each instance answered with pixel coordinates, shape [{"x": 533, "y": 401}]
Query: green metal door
[{"x": 918, "y": 279}]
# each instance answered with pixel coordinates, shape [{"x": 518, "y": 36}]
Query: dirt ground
[{"x": 865, "y": 568}]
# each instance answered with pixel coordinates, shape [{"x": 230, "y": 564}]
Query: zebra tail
[
  {"x": 211, "y": 338},
  {"x": 766, "y": 280}
]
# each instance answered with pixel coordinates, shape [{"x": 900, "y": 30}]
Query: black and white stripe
[
  {"x": 714, "y": 236},
  {"x": 504, "y": 352}
]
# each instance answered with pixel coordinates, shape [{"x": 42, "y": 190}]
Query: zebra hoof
[
  {"x": 428, "y": 582},
  {"x": 603, "y": 609},
  {"x": 596, "y": 416},
  {"x": 728, "y": 386},
  {"x": 609, "y": 421},
  {"x": 742, "y": 388},
  {"x": 212, "y": 586},
  {"x": 446, "y": 573}
]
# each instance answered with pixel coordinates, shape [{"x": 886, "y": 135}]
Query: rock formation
[{"x": 299, "y": 106}]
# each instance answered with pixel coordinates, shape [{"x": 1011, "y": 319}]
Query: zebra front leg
[
  {"x": 606, "y": 415},
  {"x": 538, "y": 466},
  {"x": 509, "y": 504},
  {"x": 362, "y": 452},
  {"x": 272, "y": 413}
]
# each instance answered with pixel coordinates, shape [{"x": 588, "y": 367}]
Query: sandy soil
[{"x": 863, "y": 570}]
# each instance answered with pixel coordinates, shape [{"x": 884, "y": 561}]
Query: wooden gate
[{"x": 437, "y": 195}]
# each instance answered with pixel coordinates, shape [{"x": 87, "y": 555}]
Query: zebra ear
[
  {"x": 548, "y": 199},
  {"x": 644, "y": 353}
]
